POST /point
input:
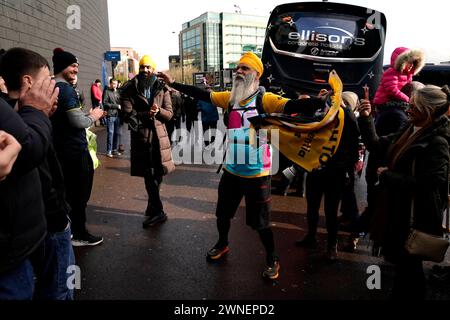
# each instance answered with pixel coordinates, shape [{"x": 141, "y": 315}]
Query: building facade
[
  {"x": 174, "y": 62},
  {"x": 215, "y": 41},
  {"x": 79, "y": 26},
  {"x": 128, "y": 66}
]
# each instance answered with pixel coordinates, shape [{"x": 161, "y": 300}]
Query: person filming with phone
[{"x": 414, "y": 172}]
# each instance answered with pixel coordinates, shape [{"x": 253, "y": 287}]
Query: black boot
[{"x": 153, "y": 220}]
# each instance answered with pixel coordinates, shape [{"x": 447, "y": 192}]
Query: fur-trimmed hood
[{"x": 401, "y": 56}]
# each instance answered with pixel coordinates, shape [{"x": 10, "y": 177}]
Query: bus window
[{"x": 305, "y": 41}]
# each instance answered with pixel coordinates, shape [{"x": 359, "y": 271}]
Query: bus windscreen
[
  {"x": 325, "y": 35},
  {"x": 306, "y": 40}
]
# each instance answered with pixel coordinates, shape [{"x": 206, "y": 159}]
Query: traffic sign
[{"x": 112, "y": 56}]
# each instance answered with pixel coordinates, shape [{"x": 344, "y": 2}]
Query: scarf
[{"x": 310, "y": 144}]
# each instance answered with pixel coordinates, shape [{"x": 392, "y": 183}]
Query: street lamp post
[{"x": 180, "y": 54}]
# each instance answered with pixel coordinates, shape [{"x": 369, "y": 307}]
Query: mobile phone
[{"x": 366, "y": 92}]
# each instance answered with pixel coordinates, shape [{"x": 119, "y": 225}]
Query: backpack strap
[
  {"x": 259, "y": 100},
  {"x": 226, "y": 113}
]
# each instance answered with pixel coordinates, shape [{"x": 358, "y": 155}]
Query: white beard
[{"x": 243, "y": 88}]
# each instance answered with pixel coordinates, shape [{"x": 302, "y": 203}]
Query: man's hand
[
  {"x": 165, "y": 77},
  {"x": 154, "y": 110},
  {"x": 9, "y": 150},
  {"x": 380, "y": 170},
  {"x": 364, "y": 108},
  {"x": 322, "y": 92},
  {"x": 42, "y": 96},
  {"x": 96, "y": 113}
]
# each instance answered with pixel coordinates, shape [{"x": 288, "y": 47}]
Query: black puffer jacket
[
  {"x": 22, "y": 221},
  {"x": 426, "y": 188}
]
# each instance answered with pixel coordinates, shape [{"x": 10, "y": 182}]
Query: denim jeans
[
  {"x": 112, "y": 141},
  {"x": 17, "y": 284},
  {"x": 52, "y": 278}
]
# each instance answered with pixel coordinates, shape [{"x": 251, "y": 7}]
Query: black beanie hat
[{"x": 62, "y": 59}]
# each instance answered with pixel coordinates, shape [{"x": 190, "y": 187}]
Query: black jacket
[
  {"x": 347, "y": 153},
  {"x": 22, "y": 221},
  {"x": 426, "y": 187},
  {"x": 111, "y": 102},
  {"x": 54, "y": 192}
]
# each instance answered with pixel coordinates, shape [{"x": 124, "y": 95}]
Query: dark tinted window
[{"x": 325, "y": 35}]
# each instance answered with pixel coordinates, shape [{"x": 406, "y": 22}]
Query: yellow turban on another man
[
  {"x": 147, "y": 61},
  {"x": 252, "y": 60}
]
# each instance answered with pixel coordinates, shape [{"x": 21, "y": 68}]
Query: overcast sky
[{"x": 152, "y": 27}]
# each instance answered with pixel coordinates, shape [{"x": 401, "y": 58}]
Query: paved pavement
[{"x": 168, "y": 261}]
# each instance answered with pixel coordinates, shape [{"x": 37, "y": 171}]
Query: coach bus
[{"x": 304, "y": 41}]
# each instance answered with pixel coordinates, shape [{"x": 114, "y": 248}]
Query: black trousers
[
  {"x": 146, "y": 162},
  {"x": 78, "y": 171},
  {"x": 349, "y": 205},
  {"x": 153, "y": 179},
  {"x": 257, "y": 193},
  {"x": 327, "y": 182}
]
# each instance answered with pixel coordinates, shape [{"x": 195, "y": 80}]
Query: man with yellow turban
[
  {"x": 147, "y": 106},
  {"x": 247, "y": 168},
  {"x": 249, "y": 179}
]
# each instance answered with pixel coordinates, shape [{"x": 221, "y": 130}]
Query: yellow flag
[{"x": 311, "y": 145}]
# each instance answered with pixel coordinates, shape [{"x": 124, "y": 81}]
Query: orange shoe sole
[{"x": 220, "y": 255}]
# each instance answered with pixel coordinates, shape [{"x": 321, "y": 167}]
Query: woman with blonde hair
[{"x": 414, "y": 175}]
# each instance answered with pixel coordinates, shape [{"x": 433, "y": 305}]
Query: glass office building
[{"x": 215, "y": 41}]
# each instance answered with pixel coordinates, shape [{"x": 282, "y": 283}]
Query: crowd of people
[{"x": 47, "y": 170}]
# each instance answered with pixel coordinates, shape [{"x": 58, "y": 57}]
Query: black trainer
[
  {"x": 272, "y": 271},
  {"x": 86, "y": 239},
  {"x": 151, "y": 221},
  {"x": 216, "y": 253}
]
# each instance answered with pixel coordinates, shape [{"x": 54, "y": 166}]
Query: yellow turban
[
  {"x": 252, "y": 60},
  {"x": 147, "y": 61}
]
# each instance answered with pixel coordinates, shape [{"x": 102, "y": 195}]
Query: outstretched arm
[
  {"x": 306, "y": 107},
  {"x": 192, "y": 91}
]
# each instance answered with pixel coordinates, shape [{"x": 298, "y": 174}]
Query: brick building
[{"x": 78, "y": 26}]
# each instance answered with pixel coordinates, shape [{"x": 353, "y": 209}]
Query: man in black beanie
[
  {"x": 62, "y": 59},
  {"x": 69, "y": 134}
]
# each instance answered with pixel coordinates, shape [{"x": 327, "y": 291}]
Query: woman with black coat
[{"x": 414, "y": 177}]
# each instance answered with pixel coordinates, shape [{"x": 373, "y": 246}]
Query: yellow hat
[
  {"x": 252, "y": 60},
  {"x": 147, "y": 61}
]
